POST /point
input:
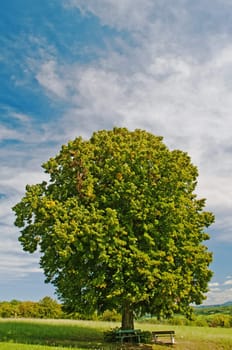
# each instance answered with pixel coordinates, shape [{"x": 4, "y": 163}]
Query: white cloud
[
  {"x": 10, "y": 245},
  {"x": 228, "y": 282},
  {"x": 219, "y": 293},
  {"x": 217, "y": 297},
  {"x": 170, "y": 77},
  {"x": 24, "y": 130},
  {"x": 50, "y": 80},
  {"x": 214, "y": 290},
  {"x": 181, "y": 97},
  {"x": 213, "y": 284},
  {"x": 23, "y": 118},
  {"x": 17, "y": 270},
  {"x": 14, "y": 180},
  {"x": 126, "y": 14},
  {"x": 8, "y": 133}
]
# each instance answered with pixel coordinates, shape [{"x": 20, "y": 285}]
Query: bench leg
[
  {"x": 156, "y": 338},
  {"x": 172, "y": 339}
]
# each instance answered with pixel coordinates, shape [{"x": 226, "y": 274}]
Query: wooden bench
[
  {"x": 157, "y": 334},
  {"x": 129, "y": 335}
]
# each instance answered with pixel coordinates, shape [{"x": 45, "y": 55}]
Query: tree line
[
  {"x": 48, "y": 308},
  {"x": 45, "y": 308}
]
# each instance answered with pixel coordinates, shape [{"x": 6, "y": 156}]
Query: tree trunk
[{"x": 127, "y": 317}]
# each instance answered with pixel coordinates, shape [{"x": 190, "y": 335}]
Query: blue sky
[{"x": 71, "y": 67}]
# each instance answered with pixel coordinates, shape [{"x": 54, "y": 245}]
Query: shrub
[
  {"x": 110, "y": 336},
  {"x": 110, "y": 315},
  {"x": 145, "y": 337},
  {"x": 219, "y": 320},
  {"x": 200, "y": 322}
]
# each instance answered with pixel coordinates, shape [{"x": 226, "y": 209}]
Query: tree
[
  {"x": 49, "y": 308},
  {"x": 119, "y": 226}
]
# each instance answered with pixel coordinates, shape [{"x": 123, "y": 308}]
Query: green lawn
[
  {"x": 10, "y": 346},
  {"x": 66, "y": 334}
]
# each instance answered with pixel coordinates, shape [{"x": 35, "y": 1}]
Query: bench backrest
[{"x": 128, "y": 331}]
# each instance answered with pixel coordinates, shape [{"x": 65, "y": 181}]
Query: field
[{"x": 65, "y": 334}]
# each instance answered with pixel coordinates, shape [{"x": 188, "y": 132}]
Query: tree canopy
[{"x": 119, "y": 226}]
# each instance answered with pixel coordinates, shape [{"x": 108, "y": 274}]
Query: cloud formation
[{"x": 158, "y": 65}]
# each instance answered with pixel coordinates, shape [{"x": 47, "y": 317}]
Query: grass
[
  {"x": 9, "y": 346},
  {"x": 197, "y": 338},
  {"x": 65, "y": 334},
  {"x": 53, "y": 333}
]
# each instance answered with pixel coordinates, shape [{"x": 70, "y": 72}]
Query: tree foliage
[{"x": 119, "y": 225}]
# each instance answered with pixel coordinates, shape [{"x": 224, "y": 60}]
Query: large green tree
[{"x": 119, "y": 226}]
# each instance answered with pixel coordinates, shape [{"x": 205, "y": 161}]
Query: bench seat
[
  {"x": 130, "y": 335},
  {"x": 157, "y": 334}
]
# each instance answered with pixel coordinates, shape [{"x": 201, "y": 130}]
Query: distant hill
[
  {"x": 225, "y": 308},
  {"x": 227, "y": 303}
]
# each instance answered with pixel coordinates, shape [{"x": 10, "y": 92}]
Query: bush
[
  {"x": 111, "y": 336},
  {"x": 177, "y": 321},
  {"x": 111, "y": 315},
  {"x": 146, "y": 337},
  {"x": 219, "y": 320},
  {"x": 200, "y": 322}
]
